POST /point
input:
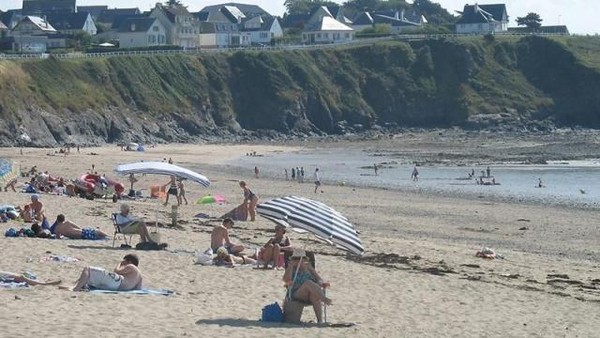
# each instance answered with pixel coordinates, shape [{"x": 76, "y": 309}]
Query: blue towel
[{"x": 163, "y": 292}]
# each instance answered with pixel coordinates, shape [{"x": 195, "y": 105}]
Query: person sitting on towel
[
  {"x": 73, "y": 231},
  {"x": 280, "y": 242},
  {"x": 220, "y": 238},
  {"x": 126, "y": 277}
]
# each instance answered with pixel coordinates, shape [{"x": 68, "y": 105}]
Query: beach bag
[
  {"x": 272, "y": 313},
  {"x": 205, "y": 258},
  {"x": 150, "y": 246}
]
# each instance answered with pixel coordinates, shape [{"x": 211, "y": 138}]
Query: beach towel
[
  {"x": 163, "y": 292},
  {"x": 58, "y": 258},
  {"x": 11, "y": 284}
]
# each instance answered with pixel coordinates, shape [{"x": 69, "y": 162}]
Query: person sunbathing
[
  {"x": 73, "y": 231},
  {"x": 132, "y": 225},
  {"x": 22, "y": 278},
  {"x": 280, "y": 242},
  {"x": 223, "y": 258},
  {"x": 305, "y": 284},
  {"x": 126, "y": 277}
]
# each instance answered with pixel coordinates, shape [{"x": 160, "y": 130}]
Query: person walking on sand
[
  {"x": 250, "y": 201},
  {"x": 287, "y": 178},
  {"x": 181, "y": 196},
  {"x": 293, "y": 174},
  {"x": 256, "y": 172},
  {"x": 301, "y": 174},
  {"x": 172, "y": 184},
  {"x": 375, "y": 168},
  {"x": 415, "y": 175},
  {"x": 132, "y": 180},
  {"x": 488, "y": 171},
  {"x": 317, "y": 180}
]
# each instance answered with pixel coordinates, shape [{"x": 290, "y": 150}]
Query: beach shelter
[
  {"x": 162, "y": 168},
  {"x": 8, "y": 171},
  {"x": 314, "y": 217},
  {"x": 209, "y": 199}
]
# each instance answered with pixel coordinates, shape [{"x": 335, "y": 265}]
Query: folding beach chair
[
  {"x": 292, "y": 308},
  {"x": 119, "y": 233}
]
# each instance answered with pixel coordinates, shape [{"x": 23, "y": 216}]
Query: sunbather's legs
[
  {"x": 236, "y": 249},
  {"x": 312, "y": 293},
  {"x": 83, "y": 280},
  {"x": 33, "y": 282}
]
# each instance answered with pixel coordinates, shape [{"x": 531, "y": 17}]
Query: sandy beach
[{"x": 419, "y": 276}]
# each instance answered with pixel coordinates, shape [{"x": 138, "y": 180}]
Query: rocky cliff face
[{"x": 471, "y": 83}]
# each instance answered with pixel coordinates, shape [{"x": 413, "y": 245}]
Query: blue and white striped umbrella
[
  {"x": 161, "y": 168},
  {"x": 315, "y": 217}
]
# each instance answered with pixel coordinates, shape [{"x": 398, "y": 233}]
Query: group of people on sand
[
  {"x": 303, "y": 282},
  {"x": 298, "y": 175},
  {"x": 176, "y": 187}
]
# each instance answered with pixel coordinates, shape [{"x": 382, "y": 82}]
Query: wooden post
[{"x": 174, "y": 215}]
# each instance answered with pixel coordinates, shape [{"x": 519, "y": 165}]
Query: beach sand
[{"x": 419, "y": 276}]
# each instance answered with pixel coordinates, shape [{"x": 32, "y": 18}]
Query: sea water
[{"x": 572, "y": 183}]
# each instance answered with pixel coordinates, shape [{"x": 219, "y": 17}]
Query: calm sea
[{"x": 575, "y": 183}]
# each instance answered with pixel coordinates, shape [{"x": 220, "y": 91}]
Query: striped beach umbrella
[
  {"x": 8, "y": 171},
  {"x": 314, "y": 217},
  {"x": 162, "y": 168}
]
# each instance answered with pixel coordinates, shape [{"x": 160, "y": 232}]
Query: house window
[
  {"x": 319, "y": 35},
  {"x": 347, "y": 35},
  {"x": 326, "y": 35},
  {"x": 264, "y": 35},
  {"x": 155, "y": 28}
]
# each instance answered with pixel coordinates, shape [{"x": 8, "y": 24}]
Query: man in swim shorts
[
  {"x": 220, "y": 238},
  {"x": 125, "y": 277},
  {"x": 73, "y": 231}
]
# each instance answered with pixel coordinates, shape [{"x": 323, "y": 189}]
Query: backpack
[{"x": 272, "y": 313}]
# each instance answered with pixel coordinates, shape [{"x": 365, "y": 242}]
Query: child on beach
[{"x": 181, "y": 191}]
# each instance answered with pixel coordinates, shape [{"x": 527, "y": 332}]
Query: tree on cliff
[
  {"x": 434, "y": 12},
  {"x": 305, "y": 6},
  {"x": 531, "y": 20},
  {"x": 173, "y": 3}
]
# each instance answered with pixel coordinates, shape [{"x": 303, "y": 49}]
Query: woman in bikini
[
  {"x": 223, "y": 258},
  {"x": 172, "y": 184},
  {"x": 271, "y": 250},
  {"x": 250, "y": 201}
]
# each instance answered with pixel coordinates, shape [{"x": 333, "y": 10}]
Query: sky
[{"x": 580, "y": 16}]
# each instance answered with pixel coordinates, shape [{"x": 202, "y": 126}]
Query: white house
[
  {"x": 31, "y": 35},
  {"x": 240, "y": 24},
  {"x": 181, "y": 26},
  {"x": 141, "y": 32},
  {"x": 482, "y": 19},
  {"x": 207, "y": 36},
  {"x": 322, "y": 27}
]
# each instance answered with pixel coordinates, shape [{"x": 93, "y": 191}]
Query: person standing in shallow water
[
  {"x": 293, "y": 174},
  {"x": 415, "y": 175},
  {"x": 317, "y": 180},
  {"x": 375, "y": 168},
  {"x": 256, "y": 172}
]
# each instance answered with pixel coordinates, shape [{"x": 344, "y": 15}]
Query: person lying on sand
[
  {"x": 223, "y": 258},
  {"x": 126, "y": 277},
  {"x": 73, "y": 231},
  {"x": 21, "y": 278}
]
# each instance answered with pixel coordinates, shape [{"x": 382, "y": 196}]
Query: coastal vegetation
[{"x": 492, "y": 82}]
